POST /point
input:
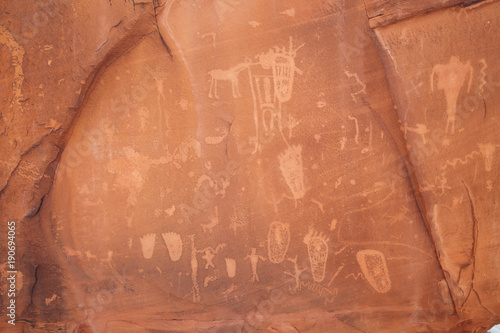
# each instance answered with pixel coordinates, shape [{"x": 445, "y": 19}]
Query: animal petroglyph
[
  {"x": 108, "y": 261},
  {"x": 230, "y": 75},
  {"x": 230, "y": 267},
  {"x": 269, "y": 91},
  {"x": 148, "y": 245},
  {"x": 362, "y": 90},
  {"x": 374, "y": 268},
  {"x": 293, "y": 170},
  {"x": 254, "y": 260},
  {"x": 278, "y": 240},
  {"x": 214, "y": 220},
  {"x": 451, "y": 78},
  {"x": 17, "y": 55},
  {"x": 174, "y": 245},
  {"x": 317, "y": 248}
]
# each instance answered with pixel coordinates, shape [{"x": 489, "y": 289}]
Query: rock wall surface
[{"x": 243, "y": 166}]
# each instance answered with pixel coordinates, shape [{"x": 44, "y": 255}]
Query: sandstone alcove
[{"x": 245, "y": 166}]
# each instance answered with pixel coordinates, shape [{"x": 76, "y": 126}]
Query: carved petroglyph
[
  {"x": 296, "y": 274},
  {"x": 208, "y": 279},
  {"x": 194, "y": 272},
  {"x": 419, "y": 129},
  {"x": 278, "y": 240},
  {"x": 362, "y": 89},
  {"x": 487, "y": 150},
  {"x": 337, "y": 272},
  {"x": 210, "y": 253},
  {"x": 451, "y": 78},
  {"x": 17, "y": 55},
  {"x": 230, "y": 267},
  {"x": 317, "y": 249},
  {"x": 356, "y": 136},
  {"x": 370, "y": 139},
  {"x": 174, "y": 245},
  {"x": 230, "y": 75},
  {"x": 482, "y": 78},
  {"x": 148, "y": 245},
  {"x": 293, "y": 170},
  {"x": 254, "y": 260},
  {"x": 268, "y": 90},
  {"x": 214, "y": 220},
  {"x": 374, "y": 268},
  {"x": 108, "y": 261}
]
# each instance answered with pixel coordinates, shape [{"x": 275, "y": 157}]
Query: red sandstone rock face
[{"x": 236, "y": 166}]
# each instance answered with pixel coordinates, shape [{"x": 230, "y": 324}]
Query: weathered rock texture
[{"x": 243, "y": 166}]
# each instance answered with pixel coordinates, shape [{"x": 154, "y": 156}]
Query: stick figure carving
[
  {"x": 254, "y": 260},
  {"x": 451, "y": 77}
]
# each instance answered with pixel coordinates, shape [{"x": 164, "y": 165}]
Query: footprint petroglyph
[
  {"x": 317, "y": 249},
  {"x": 278, "y": 240},
  {"x": 230, "y": 267},
  {"x": 148, "y": 245},
  {"x": 174, "y": 245},
  {"x": 374, "y": 268}
]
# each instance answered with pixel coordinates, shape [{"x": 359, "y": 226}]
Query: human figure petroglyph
[
  {"x": 210, "y": 253},
  {"x": 451, "y": 78},
  {"x": 148, "y": 245},
  {"x": 374, "y": 268},
  {"x": 293, "y": 170},
  {"x": 174, "y": 245},
  {"x": 278, "y": 240},
  {"x": 254, "y": 260},
  {"x": 317, "y": 248},
  {"x": 230, "y": 75}
]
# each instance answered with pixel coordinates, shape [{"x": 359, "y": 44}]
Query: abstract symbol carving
[
  {"x": 317, "y": 248},
  {"x": 451, "y": 77},
  {"x": 148, "y": 245},
  {"x": 374, "y": 268},
  {"x": 174, "y": 245},
  {"x": 278, "y": 240},
  {"x": 293, "y": 170}
]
